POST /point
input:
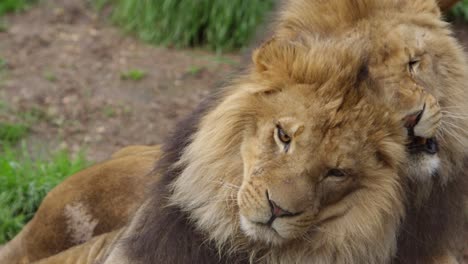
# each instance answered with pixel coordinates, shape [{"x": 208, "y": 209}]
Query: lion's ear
[{"x": 274, "y": 55}]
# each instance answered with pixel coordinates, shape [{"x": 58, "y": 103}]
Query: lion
[
  {"x": 410, "y": 51},
  {"x": 267, "y": 171},
  {"x": 91, "y": 202}
]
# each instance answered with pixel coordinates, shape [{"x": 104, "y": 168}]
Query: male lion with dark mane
[{"x": 290, "y": 164}]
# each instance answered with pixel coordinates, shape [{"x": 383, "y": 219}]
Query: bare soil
[{"x": 64, "y": 67}]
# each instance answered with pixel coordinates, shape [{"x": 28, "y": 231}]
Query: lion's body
[
  {"x": 94, "y": 201},
  {"x": 87, "y": 253}
]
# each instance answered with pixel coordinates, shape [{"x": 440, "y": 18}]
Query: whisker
[
  {"x": 319, "y": 229},
  {"x": 452, "y": 134},
  {"x": 227, "y": 185},
  {"x": 452, "y": 106},
  {"x": 452, "y": 125},
  {"x": 453, "y": 113},
  {"x": 456, "y": 117}
]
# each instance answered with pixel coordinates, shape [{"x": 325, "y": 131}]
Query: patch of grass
[
  {"x": 220, "y": 25},
  {"x": 50, "y": 76},
  {"x": 194, "y": 70},
  {"x": 8, "y": 6},
  {"x": 134, "y": 75},
  {"x": 109, "y": 111},
  {"x": 3, "y": 64},
  {"x": 12, "y": 133},
  {"x": 3, "y": 106},
  {"x": 25, "y": 181},
  {"x": 32, "y": 115},
  {"x": 3, "y": 25},
  {"x": 460, "y": 10}
]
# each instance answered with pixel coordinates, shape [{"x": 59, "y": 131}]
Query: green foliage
[
  {"x": 3, "y": 25},
  {"x": 460, "y": 10},
  {"x": 50, "y": 76},
  {"x": 3, "y": 64},
  {"x": 194, "y": 70},
  {"x": 25, "y": 181},
  {"x": 11, "y": 133},
  {"x": 134, "y": 75},
  {"x": 220, "y": 25},
  {"x": 7, "y": 6}
]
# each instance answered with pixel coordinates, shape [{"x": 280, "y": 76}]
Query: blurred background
[{"x": 80, "y": 79}]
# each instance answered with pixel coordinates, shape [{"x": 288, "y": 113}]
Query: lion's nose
[
  {"x": 277, "y": 211},
  {"x": 412, "y": 120}
]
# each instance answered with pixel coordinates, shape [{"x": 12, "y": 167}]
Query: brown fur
[
  {"x": 86, "y": 253},
  {"x": 91, "y": 202}
]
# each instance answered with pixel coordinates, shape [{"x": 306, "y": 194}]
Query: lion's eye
[
  {"x": 413, "y": 65},
  {"x": 283, "y": 137},
  {"x": 336, "y": 173}
]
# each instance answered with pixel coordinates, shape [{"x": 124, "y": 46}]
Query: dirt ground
[{"x": 63, "y": 68}]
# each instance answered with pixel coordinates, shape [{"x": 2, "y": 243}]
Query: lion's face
[
  {"x": 419, "y": 67},
  {"x": 309, "y": 163},
  {"x": 308, "y": 169}
]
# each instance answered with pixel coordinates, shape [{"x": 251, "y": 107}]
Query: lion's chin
[
  {"x": 424, "y": 161},
  {"x": 422, "y": 167},
  {"x": 261, "y": 232}
]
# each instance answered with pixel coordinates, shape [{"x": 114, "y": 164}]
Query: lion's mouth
[
  {"x": 419, "y": 144},
  {"x": 425, "y": 145}
]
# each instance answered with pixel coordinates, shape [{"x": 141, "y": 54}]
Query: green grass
[
  {"x": 3, "y": 25},
  {"x": 134, "y": 75},
  {"x": 8, "y": 6},
  {"x": 461, "y": 10},
  {"x": 194, "y": 70},
  {"x": 25, "y": 181},
  {"x": 50, "y": 76},
  {"x": 109, "y": 111},
  {"x": 221, "y": 25},
  {"x": 11, "y": 133},
  {"x": 3, "y": 65}
]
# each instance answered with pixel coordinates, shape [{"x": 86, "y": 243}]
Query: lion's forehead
[{"x": 398, "y": 42}]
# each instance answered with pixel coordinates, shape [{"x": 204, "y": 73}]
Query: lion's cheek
[{"x": 251, "y": 207}]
